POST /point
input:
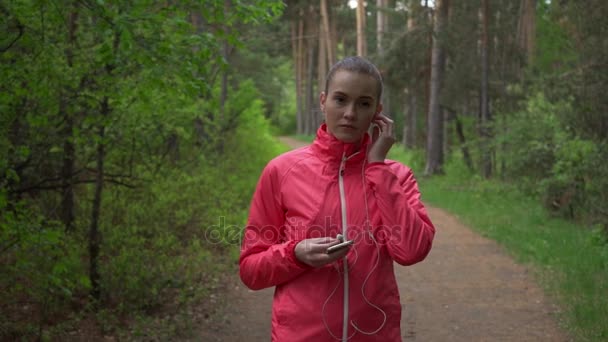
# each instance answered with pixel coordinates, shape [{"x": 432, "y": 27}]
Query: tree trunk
[
  {"x": 411, "y": 113},
  {"x": 409, "y": 129},
  {"x": 69, "y": 151},
  {"x": 361, "y": 41},
  {"x": 526, "y": 29},
  {"x": 381, "y": 29},
  {"x": 466, "y": 155},
  {"x": 300, "y": 74},
  {"x": 333, "y": 35},
  {"x": 294, "y": 52},
  {"x": 446, "y": 128},
  {"x": 326, "y": 35},
  {"x": 381, "y": 25},
  {"x": 67, "y": 170},
  {"x": 322, "y": 59},
  {"x": 322, "y": 64},
  {"x": 310, "y": 55},
  {"x": 225, "y": 53},
  {"x": 484, "y": 110},
  {"x": 94, "y": 234},
  {"x": 434, "y": 157}
]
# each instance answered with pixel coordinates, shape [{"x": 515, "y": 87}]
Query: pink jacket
[{"x": 299, "y": 196}]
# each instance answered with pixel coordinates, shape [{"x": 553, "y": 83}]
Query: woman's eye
[
  {"x": 366, "y": 104},
  {"x": 339, "y": 99}
]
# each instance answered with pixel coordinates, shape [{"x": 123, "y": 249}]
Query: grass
[{"x": 570, "y": 261}]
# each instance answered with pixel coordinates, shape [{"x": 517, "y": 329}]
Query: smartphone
[{"x": 339, "y": 246}]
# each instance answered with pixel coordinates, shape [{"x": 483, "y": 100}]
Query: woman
[{"x": 341, "y": 184}]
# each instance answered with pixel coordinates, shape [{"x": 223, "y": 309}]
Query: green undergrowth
[{"x": 570, "y": 260}]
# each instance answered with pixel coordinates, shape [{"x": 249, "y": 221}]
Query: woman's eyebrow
[{"x": 366, "y": 97}]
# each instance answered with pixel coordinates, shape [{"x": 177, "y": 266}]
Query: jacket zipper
[{"x": 344, "y": 231}]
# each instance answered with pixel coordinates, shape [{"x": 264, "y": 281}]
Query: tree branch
[{"x": 19, "y": 26}]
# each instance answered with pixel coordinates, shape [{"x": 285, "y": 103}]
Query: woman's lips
[{"x": 347, "y": 126}]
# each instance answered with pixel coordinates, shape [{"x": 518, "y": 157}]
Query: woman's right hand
[{"x": 313, "y": 252}]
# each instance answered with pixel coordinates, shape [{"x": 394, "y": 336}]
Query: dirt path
[{"x": 467, "y": 289}]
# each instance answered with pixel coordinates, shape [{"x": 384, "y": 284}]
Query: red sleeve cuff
[
  {"x": 376, "y": 163},
  {"x": 291, "y": 251}
]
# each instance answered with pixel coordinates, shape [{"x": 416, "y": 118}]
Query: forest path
[{"x": 467, "y": 289}]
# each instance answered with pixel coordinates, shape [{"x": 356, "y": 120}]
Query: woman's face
[{"x": 350, "y": 105}]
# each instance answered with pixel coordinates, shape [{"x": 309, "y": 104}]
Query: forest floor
[{"x": 467, "y": 289}]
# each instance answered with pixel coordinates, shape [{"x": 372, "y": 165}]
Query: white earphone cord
[{"x": 371, "y": 235}]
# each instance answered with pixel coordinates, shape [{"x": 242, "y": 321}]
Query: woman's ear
[{"x": 322, "y": 98}]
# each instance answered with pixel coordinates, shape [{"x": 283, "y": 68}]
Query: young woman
[{"x": 340, "y": 188}]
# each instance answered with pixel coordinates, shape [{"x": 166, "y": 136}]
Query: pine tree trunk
[
  {"x": 361, "y": 41},
  {"x": 381, "y": 25},
  {"x": 69, "y": 151},
  {"x": 434, "y": 159},
  {"x": 484, "y": 110},
  {"x": 526, "y": 29},
  {"x": 326, "y": 35},
  {"x": 94, "y": 234},
  {"x": 322, "y": 63},
  {"x": 381, "y": 29},
  {"x": 466, "y": 155},
  {"x": 411, "y": 113},
  {"x": 409, "y": 129},
  {"x": 310, "y": 67},
  {"x": 300, "y": 75}
]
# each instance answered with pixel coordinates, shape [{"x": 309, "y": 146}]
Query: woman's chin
[{"x": 348, "y": 138}]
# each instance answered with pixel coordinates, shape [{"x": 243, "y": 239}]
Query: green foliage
[
  {"x": 555, "y": 51},
  {"x": 174, "y": 164},
  {"x": 533, "y": 137},
  {"x": 547, "y": 159},
  {"x": 570, "y": 261},
  {"x": 42, "y": 272},
  {"x": 414, "y": 159}
]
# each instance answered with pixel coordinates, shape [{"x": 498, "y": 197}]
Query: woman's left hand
[{"x": 382, "y": 137}]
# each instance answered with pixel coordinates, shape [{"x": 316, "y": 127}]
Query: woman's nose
[{"x": 350, "y": 112}]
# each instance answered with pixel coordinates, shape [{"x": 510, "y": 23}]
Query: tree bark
[
  {"x": 224, "y": 84},
  {"x": 300, "y": 74},
  {"x": 434, "y": 159},
  {"x": 326, "y": 35},
  {"x": 381, "y": 29},
  {"x": 94, "y": 235},
  {"x": 409, "y": 129},
  {"x": 69, "y": 151},
  {"x": 310, "y": 54},
  {"x": 526, "y": 29},
  {"x": 484, "y": 110},
  {"x": 322, "y": 59},
  {"x": 411, "y": 112},
  {"x": 381, "y": 25},
  {"x": 361, "y": 41},
  {"x": 466, "y": 155}
]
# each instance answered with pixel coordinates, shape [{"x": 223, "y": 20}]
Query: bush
[
  {"x": 41, "y": 274},
  {"x": 546, "y": 158}
]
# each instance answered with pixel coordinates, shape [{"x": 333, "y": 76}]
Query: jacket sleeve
[
  {"x": 266, "y": 259},
  {"x": 407, "y": 230}
]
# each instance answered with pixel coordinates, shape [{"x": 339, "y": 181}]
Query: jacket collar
[{"x": 330, "y": 150}]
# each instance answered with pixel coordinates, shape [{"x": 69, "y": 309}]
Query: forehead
[{"x": 354, "y": 84}]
